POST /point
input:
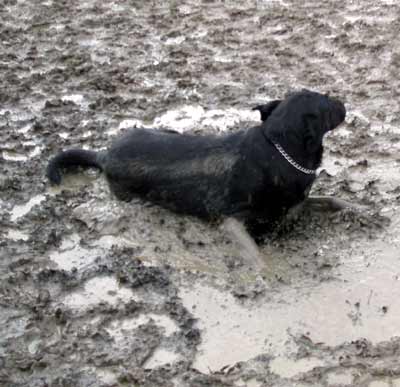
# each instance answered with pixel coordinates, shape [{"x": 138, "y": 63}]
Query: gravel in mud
[{"x": 94, "y": 292}]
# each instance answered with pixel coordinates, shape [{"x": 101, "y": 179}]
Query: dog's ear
[{"x": 267, "y": 109}]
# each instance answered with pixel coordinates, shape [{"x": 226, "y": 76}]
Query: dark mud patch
[{"x": 94, "y": 292}]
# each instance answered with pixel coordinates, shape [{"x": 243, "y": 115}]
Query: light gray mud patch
[{"x": 94, "y": 292}]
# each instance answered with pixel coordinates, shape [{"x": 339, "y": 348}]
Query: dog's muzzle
[{"x": 338, "y": 113}]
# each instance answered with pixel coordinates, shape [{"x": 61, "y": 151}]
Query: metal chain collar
[{"x": 292, "y": 162}]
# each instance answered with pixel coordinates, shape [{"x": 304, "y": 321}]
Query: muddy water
[
  {"x": 97, "y": 292},
  {"x": 332, "y": 312}
]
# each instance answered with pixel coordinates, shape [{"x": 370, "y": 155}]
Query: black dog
[{"x": 255, "y": 174}]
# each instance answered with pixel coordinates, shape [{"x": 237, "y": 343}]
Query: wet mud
[{"x": 95, "y": 292}]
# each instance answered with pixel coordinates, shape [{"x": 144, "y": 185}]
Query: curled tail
[{"x": 70, "y": 158}]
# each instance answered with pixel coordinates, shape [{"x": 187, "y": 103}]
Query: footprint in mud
[
  {"x": 127, "y": 327},
  {"x": 122, "y": 330}
]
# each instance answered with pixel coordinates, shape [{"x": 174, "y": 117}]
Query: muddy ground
[{"x": 94, "y": 292}]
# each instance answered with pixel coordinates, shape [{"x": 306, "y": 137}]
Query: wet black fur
[{"x": 239, "y": 174}]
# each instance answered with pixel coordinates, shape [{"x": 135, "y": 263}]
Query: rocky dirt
[{"x": 94, "y": 292}]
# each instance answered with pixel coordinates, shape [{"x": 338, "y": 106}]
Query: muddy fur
[{"x": 240, "y": 174}]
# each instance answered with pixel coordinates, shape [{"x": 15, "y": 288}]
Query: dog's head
[{"x": 301, "y": 120}]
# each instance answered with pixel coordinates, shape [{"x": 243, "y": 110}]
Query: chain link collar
[{"x": 292, "y": 162}]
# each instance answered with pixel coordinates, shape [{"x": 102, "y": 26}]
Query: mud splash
[{"x": 190, "y": 118}]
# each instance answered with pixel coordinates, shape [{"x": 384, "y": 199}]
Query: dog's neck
[
  {"x": 292, "y": 162},
  {"x": 296, "y": 156}
]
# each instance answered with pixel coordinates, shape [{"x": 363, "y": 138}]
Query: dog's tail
[{"x": 72, "y": 158}]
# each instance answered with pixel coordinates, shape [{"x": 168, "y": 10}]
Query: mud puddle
[
  {"x": 340, "y": 310},
  {"x": 189, "y": 118},
  {"x": 21, "y": 210},
  {"x": 96, "y": 290}
]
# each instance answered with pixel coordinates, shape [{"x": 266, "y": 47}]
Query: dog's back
[{"x": 186, "y": 173}]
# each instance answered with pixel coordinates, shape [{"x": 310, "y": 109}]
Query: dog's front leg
[
  {"x": 328, "y": 203},
  {"x": 247, "y": 247}
]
